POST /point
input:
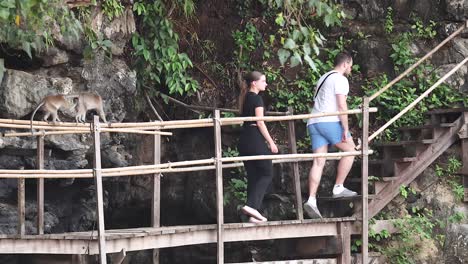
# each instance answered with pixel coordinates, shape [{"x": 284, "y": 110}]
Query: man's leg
[
  {"x": 315, "y": 174},
  {"x": 344, "y": 166}
]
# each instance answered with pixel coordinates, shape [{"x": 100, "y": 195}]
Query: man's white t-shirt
[{"x": 325, "y": 100}]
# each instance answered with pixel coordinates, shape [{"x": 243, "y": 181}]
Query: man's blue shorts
[{"x": 325, "y": 133}]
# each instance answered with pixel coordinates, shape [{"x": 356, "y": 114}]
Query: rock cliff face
[{"x": 187, "y": 198}]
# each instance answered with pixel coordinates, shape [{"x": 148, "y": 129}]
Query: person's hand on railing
[{"x": 358, "y": 147}]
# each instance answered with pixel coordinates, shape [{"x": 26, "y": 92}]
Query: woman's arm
[{"x": 263, "y": 129}]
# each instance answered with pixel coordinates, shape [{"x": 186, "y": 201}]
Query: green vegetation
[
  {"x": 411, "y": 87},
  {"x": 29, "y": 25},
  {"x": 418, "y": 224},
  {"x": 299, "y": 34},
  {"x": 246, "y": 42},
  {"x": 156, "y": 49},
  {"x": 389, "y": 20},
  {"x": 449, "y": 176},
  {"x": 112, "y": 8},
  {"x": 236, "y": 190}
]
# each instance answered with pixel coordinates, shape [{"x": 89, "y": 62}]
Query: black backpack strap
[{"x": 320, "y": 86}]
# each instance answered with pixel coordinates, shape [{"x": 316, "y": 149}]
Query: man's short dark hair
[{"x": 342, "y": 57}]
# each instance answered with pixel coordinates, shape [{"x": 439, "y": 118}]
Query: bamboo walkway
[{"x": 102, "y": 241}]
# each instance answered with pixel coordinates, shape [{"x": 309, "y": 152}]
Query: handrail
[
  {"x": 406, "y": 109},
  {"x": 454, "y": 34},
  {"x": 24, "y": 124},
  {"x": 204, "y": 164}
]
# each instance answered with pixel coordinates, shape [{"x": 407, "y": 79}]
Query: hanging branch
[
  {"x": 206, "y": 75},
  {"x": 152, "y": 107}
]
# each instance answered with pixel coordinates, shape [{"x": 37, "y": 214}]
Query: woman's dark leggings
[
  {"x": 259, "y": 172},
  {"x": 259, "y": 176}
]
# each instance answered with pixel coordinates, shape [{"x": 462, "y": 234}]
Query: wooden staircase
[{"x": 403, "y": 161}]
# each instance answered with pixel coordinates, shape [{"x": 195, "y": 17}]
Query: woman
[{"x": 252, "y": 142}]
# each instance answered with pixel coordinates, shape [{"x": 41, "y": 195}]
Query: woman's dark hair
[
  {"x": 245, "y": 86},
  {"x": 342, "y": 57}
]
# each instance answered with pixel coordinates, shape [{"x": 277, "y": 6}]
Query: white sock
[
  {"x": 338, "y": 188},
  {"x": 312, "y": 200}
]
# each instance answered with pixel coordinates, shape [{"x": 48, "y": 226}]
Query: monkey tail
[{"x": 34, "y": 113}]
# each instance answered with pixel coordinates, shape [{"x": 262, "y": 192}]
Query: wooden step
[
  {"x": 373, "y": 256},
  {"x": 356, "y": 259},
  {"x": 430, "y": 126},
  {"x": 406, "y": 159},
  {"x": 447, "y": 111},
  {"x": 389, "y": 179},
  {"x": 405, "y": 143},
  {"x": 331, "y": 198}
]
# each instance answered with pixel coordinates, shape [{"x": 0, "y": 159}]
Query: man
[{"x": 330, "y": 96}]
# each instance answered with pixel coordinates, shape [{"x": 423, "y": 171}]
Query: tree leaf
[
  {"x": 306, "y": 48},
  {"x": 310, "y": 62},
  {"x": 296, "y": 34},
  {"x": 295, "y": 60},
  {"x": 283, "y": 55},
  {"x": 279, "y": 19},
  {"x": 316, "y": 49},
  {"x": 26, "y": 46},
  {"x": 290, "y": 44}
]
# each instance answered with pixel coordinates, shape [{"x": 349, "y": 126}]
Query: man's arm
[{"x": 343, "y": 106}]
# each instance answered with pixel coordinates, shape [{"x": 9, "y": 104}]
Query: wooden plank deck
[{"x": 163, "y": 237}]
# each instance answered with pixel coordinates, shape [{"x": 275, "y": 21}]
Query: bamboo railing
[
  {"x": 419, "y": 99},
  {"x": 410, "y": 69},
  {"x": 218, "y": 163}
]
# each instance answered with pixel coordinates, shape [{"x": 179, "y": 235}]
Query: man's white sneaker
[
  {"x": 345, "y": 193},
  {"x": 312, "y": 211}
]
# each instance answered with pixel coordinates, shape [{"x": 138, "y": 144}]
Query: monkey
[
  {"x": 50, "y": 104},
  {"x": 89, "y": 101},
  {"x": 85, "y": 101}
]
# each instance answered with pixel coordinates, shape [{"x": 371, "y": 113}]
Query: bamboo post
[
  {"x": 99, "y": 191},
  {"x": 296, "y": 176},
  {"x": 364, "y": 181},
  {"x": 21, "y": 207},
  {"x": 219, "y": 186},
  {"x": 156, "y": 207},
  {"x": 344, "y": 231},
  {"x": 463, "y": 134},
  {"x": 40, "y": 185}
]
